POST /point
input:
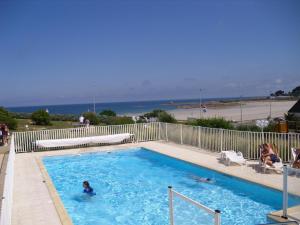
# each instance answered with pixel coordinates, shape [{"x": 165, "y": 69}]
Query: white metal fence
[
  {"x": 26, "y": 141},
  {"x": 6, "y": 208},
  {"x": 212, "y": 139},
  {"x": 215, "y": 140},
  {"x": 215, "y": 213}
]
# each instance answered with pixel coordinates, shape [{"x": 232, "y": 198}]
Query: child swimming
[
  {"x": 202, "y": 179},
  {"x": 87, "y": 188}
]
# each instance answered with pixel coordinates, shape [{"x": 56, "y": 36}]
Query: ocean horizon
[{"x": 121, "y": 108}]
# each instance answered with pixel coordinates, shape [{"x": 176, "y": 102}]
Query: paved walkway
[
  {"x": 3, "y": 163},
  {"x": 34, "y": 206}
]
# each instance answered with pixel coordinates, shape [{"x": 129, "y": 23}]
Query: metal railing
[
  {"x": 211, "y": 139},
  {"x": 216, "y": 140},
  {"x": 26, "y": 141},
  {"x": 215, "y": 213},
  {"x": 7, "y": 198}
]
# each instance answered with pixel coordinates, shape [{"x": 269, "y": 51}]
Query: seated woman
[
  {"x": 87, "y": 188},
  {"x": 296, "y": 163},
  {"x": 269, "y": 154}
]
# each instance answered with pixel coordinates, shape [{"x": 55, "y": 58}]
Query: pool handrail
[{"x": 216, "y": 213}]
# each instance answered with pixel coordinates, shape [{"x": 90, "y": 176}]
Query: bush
[
  {"x": 41, "y": 117},
  {"x": 244, "y": 127},
  {"x": 162, "y": 116},
  {"x": 166, "y": 117},
  {"x": 270, "y": 128},
  {"x": 116, "y": 120},
  {"x": 7, "y": 118},
  {"x": 107, "y": 112},
  {"x": 92, "y": 117},
  {"x": 213, "y": 123},
  {"x": 66, "y": 117},
  {"x": 154, "y": 113},
  {"x": 122, "y": 120}
]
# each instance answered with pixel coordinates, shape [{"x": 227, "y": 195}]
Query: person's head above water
[
  {"x": 87, "y": 188},
  {"x": 208, "y": 179},
  {"x": 86, "y": 184}
]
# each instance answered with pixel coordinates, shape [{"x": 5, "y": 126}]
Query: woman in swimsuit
[{"x": 269, "y": 154}]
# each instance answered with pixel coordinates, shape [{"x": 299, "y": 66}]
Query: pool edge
[{"x": 59, "y": 206}]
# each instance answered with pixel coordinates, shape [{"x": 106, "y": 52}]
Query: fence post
[
  {"x": 136, "y": 132},
  {"x": 159, "y": 127},
  {"x": 221, "y": 137},
  {"x": 171, "y": 214},
  {"x": 167, "y": 139},
  {"x": 181, "y": 141},
  {"x": 249, "y": 145},
  {"x": 285, "y": 192},
  {"x": 199, "y": 137},
  {"x": 217, "y": 217}
]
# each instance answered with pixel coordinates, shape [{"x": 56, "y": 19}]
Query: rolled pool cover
[{"x": 105, "y": 139}]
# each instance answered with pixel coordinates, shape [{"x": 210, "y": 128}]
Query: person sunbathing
[
  {"x": 296, "y": 163},
  {"x": 269, "y": 154}
]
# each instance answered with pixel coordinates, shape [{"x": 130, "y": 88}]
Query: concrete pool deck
[{"x": 37, "y": 203}]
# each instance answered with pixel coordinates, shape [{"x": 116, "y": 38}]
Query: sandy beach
[{"x": 251, "y": 110}]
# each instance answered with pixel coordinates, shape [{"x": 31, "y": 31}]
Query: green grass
[{"x": 54, "y": 125}]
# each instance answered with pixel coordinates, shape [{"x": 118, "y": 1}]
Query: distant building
[{"x": 295, "y": 110}]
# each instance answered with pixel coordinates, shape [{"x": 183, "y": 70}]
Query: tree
[
  {"x": 279, "y": 93},
  {"x": 107, "y": 112},
  {"x": 41, "y": 117},
  {"x": 7, "y": 118},
  {"x": 92, "y": 117},
  {"x": 296, "y": 91}
]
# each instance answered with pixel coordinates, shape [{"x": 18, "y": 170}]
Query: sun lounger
[
  {"x": 276, "y": 167},
  {"x": 230, "y": 157}
]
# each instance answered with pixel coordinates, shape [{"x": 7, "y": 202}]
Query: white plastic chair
[{"x": 231, "y": 156}]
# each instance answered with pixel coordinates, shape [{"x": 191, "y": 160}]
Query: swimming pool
[{"x": 131, "y": 187}]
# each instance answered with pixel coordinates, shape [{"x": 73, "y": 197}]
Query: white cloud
[{"x": 278, "y": 81}]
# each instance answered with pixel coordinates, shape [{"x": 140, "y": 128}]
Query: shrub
[
  {"x": 166, "y": 117},
  {"x": 107, "y": 112},
  {"x": 7, "y": 118},
  {"x": 64, "y": 117},
  {"x": 116, "y": 120},
  {"x": 122, "y": 120},
  {"x": 162, "y": 116},
  {"x": 270, "y": 128},
  {"x": 41, "y": 117},
  {"x": 92, "y": 117},
  {"x": 154, "y": 113},
  {"x": 213, "y": 123},
  {"x": 244, "y": 127}
]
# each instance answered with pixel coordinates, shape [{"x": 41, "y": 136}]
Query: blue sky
[{"x": 66, "y": 51}]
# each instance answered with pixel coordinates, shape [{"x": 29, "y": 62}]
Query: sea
[{"x": 121, "y": 108}]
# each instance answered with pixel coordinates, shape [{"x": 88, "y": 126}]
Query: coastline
[
  {"x": 231, "y": 110},
  {"x": 248, "y": 110}
]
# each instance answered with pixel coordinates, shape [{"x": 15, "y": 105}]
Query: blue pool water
[{"x": 131, "y": 188}]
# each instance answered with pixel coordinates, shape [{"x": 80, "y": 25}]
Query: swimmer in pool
[
  {"x": 202, "y": 179},
  {"x": 87, "y": 188}
]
